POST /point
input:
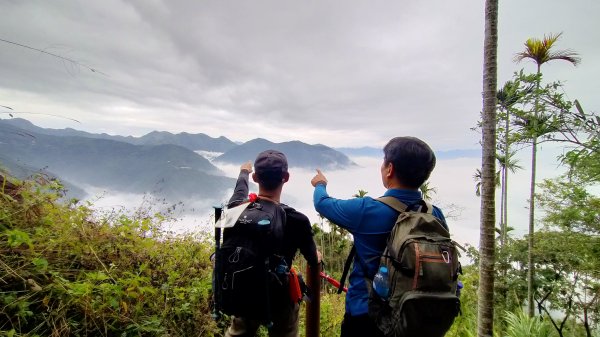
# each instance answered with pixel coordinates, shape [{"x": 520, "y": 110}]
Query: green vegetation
[
  {"x": 537, "y": 125},
  {"x": 67, "y": 272},
  {"x": 555, "y": 275},
  {"x": 521, "y": 325}
]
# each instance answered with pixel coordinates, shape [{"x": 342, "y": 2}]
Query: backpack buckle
[{"x": 446, "y": 256}]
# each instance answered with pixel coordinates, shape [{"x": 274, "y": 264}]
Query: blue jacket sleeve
[{"x": 344, "y": 213}]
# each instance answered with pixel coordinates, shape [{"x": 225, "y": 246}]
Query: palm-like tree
[
  {"x": 427, "y": 191},
  {"x": 507, "y": 97},
  {"x": 540, "y": 52},
  {"x": 507, "y": 164},
  {"x": 479, "y": 181},
  {"x": 485, "y": 304},
  {"x": 360, "y": 194}
]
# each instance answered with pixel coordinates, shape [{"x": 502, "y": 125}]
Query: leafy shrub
[
  {"x": 331, "y": 315},
  {"x": 465, "y": 324},
  {"x": 521, "y": 325},
  {"x": 65, "y": 271}
]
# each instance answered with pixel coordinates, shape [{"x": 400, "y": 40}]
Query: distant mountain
[
  {"x": 160, "y": 163},
  {"x": 27, "y": 126},
  {"x": 164, "y": 170},
  {"x": 299, "y": 154},
  {"x": 194, "y": 142}
]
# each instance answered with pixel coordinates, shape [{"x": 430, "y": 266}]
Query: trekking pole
[
  {"x": 313, "y": 308},
  {"x": 217, "y": 265},
  {"x": 332, "y": 281}
]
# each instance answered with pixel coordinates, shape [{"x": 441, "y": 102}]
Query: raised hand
[{"x": 318, "y": 179}]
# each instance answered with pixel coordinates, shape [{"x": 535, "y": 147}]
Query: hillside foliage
[{"x": 66, "y": 271}]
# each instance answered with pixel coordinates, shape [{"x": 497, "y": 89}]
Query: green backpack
[{"x": 423, "y": 268}]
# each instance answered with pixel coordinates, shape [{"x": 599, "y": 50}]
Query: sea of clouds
[{"x": 452, "y": 179}]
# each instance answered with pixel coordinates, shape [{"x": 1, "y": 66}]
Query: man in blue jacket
[{"x": 407, "y": 164}]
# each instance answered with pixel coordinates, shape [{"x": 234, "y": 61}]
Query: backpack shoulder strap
[
  {"x": 346, "y": 268},
  {"x": 279, "y": 212},
  {"x": 393, "y": 203},
  {"x": 424, "y": 206},
  {"x": 353, "y": 256}
]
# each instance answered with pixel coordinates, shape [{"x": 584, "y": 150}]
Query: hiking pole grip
[
  {"x": 313, "y": 307},
  {"x": 218, "y": 212}
]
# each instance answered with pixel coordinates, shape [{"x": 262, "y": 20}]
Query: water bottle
[
  {"x": 459, "y": 286},
  {"x": 380, "y": 283}
]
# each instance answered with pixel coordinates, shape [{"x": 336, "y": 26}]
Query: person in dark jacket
[{"x": 271, "y": 173}]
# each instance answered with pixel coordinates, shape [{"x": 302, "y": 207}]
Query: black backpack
[
  {"x": 249, "y": 270},
  {"x": 423, "y": 268}
]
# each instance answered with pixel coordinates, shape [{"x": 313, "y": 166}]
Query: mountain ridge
[
  {"x": 160, "y": 163},
  {"x": 120, "y": 166},
  {"x": 299, "y": 154},
  {"x": 194, "y": 142}
]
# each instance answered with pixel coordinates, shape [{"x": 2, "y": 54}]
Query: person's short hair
[
  {"x": 412, "y": 158},
  {"x": 270, "y": 167}
]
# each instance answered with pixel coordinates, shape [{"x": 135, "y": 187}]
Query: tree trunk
[
  {"x": 313, "y": 307},
  {"x": 502, "y": 205},
  {"x": 586, "y": 323},
  {"x": 530, "y": 241},
  {"x": 485, "y": 312},
  {"x": 530, "y": 265},
  {"x": 504, "y": 229}
]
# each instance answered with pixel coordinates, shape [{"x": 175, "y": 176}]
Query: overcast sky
[{"x": 340, "y": 73}]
